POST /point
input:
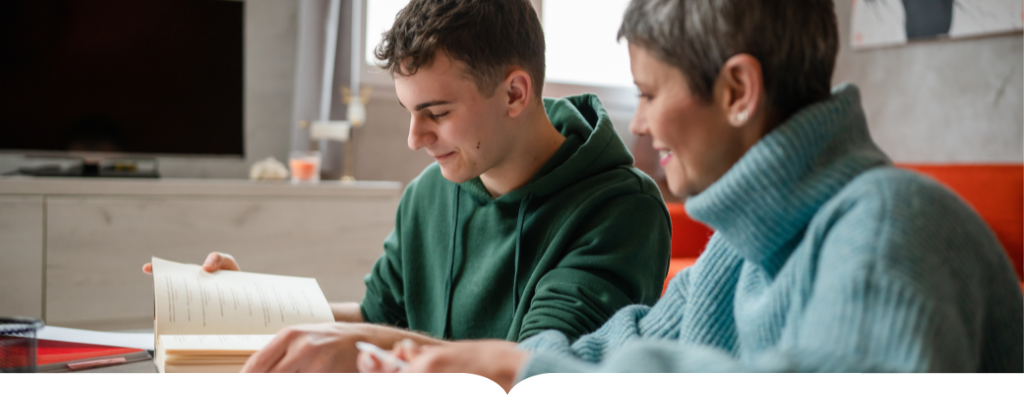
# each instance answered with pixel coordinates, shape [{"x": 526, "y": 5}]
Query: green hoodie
[{"x": 586, "y": 236}]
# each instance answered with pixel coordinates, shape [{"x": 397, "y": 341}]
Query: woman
[{"x": 824, "y": 258}]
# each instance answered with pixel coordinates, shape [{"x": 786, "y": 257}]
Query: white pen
[{"x": 382, "y": 355}]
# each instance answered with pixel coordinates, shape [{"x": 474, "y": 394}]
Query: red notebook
[
  {"x": 56, "y": 353},
  {"x": 57, "y": 356}
]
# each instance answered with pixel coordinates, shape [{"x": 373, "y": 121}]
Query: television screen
[{"x": 122, "y": 76}]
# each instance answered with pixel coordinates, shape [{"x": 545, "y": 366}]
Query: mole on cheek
[{"x": 477, "y": 145}]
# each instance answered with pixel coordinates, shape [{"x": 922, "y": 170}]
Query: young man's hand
[
  {"x": 496, "y": 360},
  {"x": 324, "y": 347},
  {"x": 214, "y": 262}
]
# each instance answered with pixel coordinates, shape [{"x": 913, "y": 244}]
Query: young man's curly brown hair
[{"x": 489, "y": 36}]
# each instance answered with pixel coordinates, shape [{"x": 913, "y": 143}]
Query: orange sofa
[{"x": 996, "y": 192}]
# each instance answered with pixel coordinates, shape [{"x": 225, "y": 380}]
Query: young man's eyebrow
[{"x": 422, "y": 106}]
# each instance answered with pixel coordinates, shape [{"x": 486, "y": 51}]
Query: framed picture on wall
[{"x": 879, "y": 23}]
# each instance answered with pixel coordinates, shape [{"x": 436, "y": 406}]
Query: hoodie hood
[{"x": 591, "y": 147}]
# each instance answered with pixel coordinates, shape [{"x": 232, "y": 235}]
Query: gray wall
[
  {"x": 945, "y": 101},
  {"x": 270, "y": 46}
]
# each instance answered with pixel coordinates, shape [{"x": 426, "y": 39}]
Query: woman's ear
[
  {"x": 743, "y": 89},
  {"x": 519, "y": 91}
]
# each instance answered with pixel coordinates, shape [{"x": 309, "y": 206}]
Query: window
[
  {"x": 581, "y": 44},
  {"x": 380, "y": 15}
]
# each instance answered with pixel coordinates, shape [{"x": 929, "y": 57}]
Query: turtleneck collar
[{"x": 770, "y": 195}]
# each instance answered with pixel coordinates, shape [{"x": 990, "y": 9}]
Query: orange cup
[{"x": 305, "y": 167}]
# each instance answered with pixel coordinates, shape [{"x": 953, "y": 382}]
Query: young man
[{"x": 531, "y": 219}]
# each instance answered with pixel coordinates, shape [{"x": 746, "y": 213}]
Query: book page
[
  {"x": 190, "y": 301},
  {"x": 214, "y": 343}
]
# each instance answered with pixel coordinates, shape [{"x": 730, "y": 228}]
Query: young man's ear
[
  {"x": 742, "y": 85},
  {"x": 518, "y": 91}
]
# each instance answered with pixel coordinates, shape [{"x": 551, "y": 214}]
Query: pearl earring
[{"x": 740, "y": 118}]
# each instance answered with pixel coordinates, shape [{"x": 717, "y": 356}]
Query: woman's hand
[
  {"x": 214, "y": 262},
  {"x": 496, "y": 360}
]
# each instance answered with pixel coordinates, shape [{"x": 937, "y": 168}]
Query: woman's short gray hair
[{"x": 795, "y": 41}]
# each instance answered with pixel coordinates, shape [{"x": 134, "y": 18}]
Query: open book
[{"x": 212, "y": 322}]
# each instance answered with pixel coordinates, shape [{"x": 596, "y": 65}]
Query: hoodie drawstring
[
  {"x": 451, "y": 259},
  {"x": 519, "y": 238}
]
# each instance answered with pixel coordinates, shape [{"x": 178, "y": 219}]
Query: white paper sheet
[{"x": 120, "y": 339}]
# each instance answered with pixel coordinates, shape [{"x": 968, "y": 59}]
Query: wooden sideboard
[{"x": 72, "y": 249}]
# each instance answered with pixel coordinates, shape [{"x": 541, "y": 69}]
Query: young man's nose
[{"x": 419, "y": 136}]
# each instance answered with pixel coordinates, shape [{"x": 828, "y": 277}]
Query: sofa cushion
[{"x": 688, "y": 236}]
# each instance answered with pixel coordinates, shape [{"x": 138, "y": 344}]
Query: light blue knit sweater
[{"x": 824, "y": 258}]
